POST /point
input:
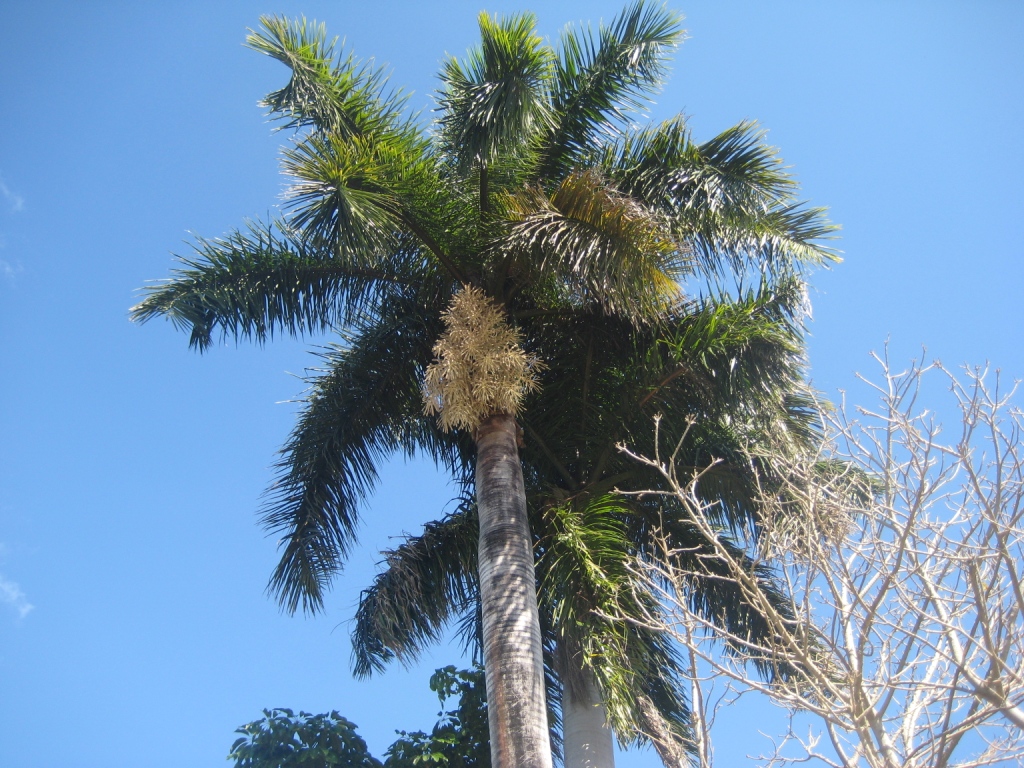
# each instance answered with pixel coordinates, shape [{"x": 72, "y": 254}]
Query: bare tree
[{"x": 901, "y": 552}]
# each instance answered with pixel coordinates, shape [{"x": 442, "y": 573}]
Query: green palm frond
[
  {"x": 742, "y": 349},
  {"x": 664, "y": 166},
  {"x": 428, "y": 581},
  {"x": 335, "y": 93},
  {"x": 752, "y": 356},
  {"x": 600, "y": 79},
  {"x": 733, "y": 357},
  {"x": 263, "y": 280},
  {"x": 364, "y": 406},
  {"x": 340, "y": 196},
  {"x": 729, "y": 377},
  {"x": 367, "y": 172},
  {"x": 782, "y": 238},
  {"x": 726, "y": 371},
  {"x": 585, "y": 556},
  {"x": 584, "y": 572},
  {"x": 729, "y": 198},
  {"x": 494, "y": 101}
]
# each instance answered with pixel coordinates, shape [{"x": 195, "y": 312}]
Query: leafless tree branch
[{"x": 902, "y": 556}]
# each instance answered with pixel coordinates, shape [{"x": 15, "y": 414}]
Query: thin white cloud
[
  {"x": 14, "y": 200},
  {"x": 11, "y": 594},
  {"x": 9, "y": 270}
]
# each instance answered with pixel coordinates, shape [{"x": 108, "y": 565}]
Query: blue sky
[{"x": 133, "y": 626}]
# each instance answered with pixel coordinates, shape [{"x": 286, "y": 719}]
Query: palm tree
[
  {"x": 531, "y": 196},
  {"x": 699, "y": 370}
]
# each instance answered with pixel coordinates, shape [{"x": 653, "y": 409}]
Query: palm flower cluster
[{"x": 479, "y": 368}]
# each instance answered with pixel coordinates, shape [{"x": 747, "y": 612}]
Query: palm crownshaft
[{"x": 531, "y": 191}]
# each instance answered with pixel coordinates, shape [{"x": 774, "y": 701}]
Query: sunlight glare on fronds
[{"x": 606, "y": 246}]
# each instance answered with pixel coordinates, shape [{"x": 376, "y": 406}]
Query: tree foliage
[
  {"x": 283, "y": 739},
  {"x": 537, "y": 187},
  {"x": 534, "y": 186},
  {"x": 459, "y": 739}
]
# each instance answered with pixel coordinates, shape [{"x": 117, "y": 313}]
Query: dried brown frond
[{"x": 479, "y": 369}]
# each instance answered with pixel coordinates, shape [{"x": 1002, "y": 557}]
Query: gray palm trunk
[
  {"x": 586, "y": 735},
  {"x": 513, "y": 660}
]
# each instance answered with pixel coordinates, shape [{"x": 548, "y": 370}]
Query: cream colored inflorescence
[{"x": 479, "y": 369}]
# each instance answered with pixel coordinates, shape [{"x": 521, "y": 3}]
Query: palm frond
[
  {"x": 333, "y": 92},
  {"x": 599, "y": 79},
  {"x": 340, "y": 199},
  {"x": 729, "y": 198},
  {"x": 780, "y": 239},
  {"x": 364, "y": 406},
  {"x": 368, "y": 169},
  {"x": 494, "y": 101},
  {"x": 730, "y": 372},
  {"x": 428, "y": 581},
  {"x": 260, "y": 281},
  {"x": 584, "y": 572}
]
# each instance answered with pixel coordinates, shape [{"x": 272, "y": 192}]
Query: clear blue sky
[{"x": 133, "y": 626}]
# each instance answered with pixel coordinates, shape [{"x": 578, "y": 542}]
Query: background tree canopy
[{"x": 282, "y": 739}]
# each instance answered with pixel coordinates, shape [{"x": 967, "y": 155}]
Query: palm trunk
[
  {"x": 513, "y": 661},
  {"x": 586, "y": 738}
]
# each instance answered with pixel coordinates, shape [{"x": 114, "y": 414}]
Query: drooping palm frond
[
  {"x": 785, "y": 237},
  {"x": 600, "y": 79},
  {"x": 427, "y": 582},
  {"x": 585, "y": 577},
  {"x": 367, "y": 168},
  {"x": 494, "y": 101},
  {"x": 332, "y": 92},
  {"x": 359, "y": 196},
  {"x": 261, "y": 281},
  {"x": 364, "y": 406},
  {"x": 711, "y": 591}
]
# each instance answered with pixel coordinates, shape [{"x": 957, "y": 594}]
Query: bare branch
[{"x": 902, "y": 557}]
